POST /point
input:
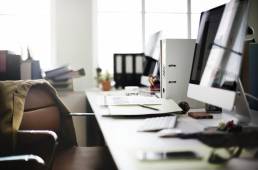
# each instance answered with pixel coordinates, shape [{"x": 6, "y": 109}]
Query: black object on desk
[
  {"x": 212, "y": 109},
  {"x": 247, "y": 138},
  {"x": 128, "y": 69},
  {"x": 184, "y": 106}
]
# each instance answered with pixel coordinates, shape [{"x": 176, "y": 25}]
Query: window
[
  {"x": 197, "y": 6},
  {"x": 119, "y": 29},
  {"x": 124, "y": 26},
  {"x": 166, "y": 16},
  {"x": 27, "y": 23}
]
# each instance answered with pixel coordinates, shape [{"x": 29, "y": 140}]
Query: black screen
[{"x": 208, "y": 26}]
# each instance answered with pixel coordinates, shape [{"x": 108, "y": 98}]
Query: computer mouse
[{"x": 184, "y": 106}]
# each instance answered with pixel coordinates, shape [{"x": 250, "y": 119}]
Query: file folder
[{"x": 128, "y": 69}]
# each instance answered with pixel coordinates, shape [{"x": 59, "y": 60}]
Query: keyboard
[{"x": 158, "y": 123}]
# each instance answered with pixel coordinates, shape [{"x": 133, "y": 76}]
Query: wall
[{"x": 73, "y": 38}]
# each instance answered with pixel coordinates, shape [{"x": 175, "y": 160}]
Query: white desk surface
[{"x": 124, "y": 142}]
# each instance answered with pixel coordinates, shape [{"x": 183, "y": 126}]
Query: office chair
[
  {"x": 21, "y": 149},
  {"x": 43, "y": 112},
  {"x": 27, "y": 150}
]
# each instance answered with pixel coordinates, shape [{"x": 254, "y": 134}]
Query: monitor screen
[
  {"x": 152, "y": 56},
  {"x": 224, "y": 63},
  {"x": 218, "y": 54},
  {"x": 208, "y": 26},
  {"x": 152, "y": 48}
]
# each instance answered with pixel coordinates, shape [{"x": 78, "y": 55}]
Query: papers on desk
[
  {"x": 131, "y": 100},
  {"x": 163, "y": 106}
]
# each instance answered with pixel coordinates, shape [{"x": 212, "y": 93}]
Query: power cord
[{"x": 251, "y": 96}]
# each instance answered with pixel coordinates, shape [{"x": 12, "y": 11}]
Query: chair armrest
[
  {"x": 50, "y": 133},
  {"x": 38, "y": 142},
  {"x": 82, "y": 114},
  {"x": 28, "y": 162}
]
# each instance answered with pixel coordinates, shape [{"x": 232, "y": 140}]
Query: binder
[
  {"x": 30, "y": 69},
  {"x": 176, "y": 63},
  {"x": 9, "y": 65},
  {"x": 128, "y": 68}
]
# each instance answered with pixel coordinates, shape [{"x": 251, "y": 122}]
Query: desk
[{"x": 124, "y": 142}]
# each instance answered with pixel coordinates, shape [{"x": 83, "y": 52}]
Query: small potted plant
[
  {"x": 103, "y": 79},
  {"x": 106, "y": 81}
]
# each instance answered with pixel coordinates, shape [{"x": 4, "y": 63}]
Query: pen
[
  {"x": 148, "y": 107},
  {"x": 156, "y": 95}
]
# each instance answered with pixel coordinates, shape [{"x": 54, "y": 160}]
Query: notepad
[{"x": 166, "y": 106}]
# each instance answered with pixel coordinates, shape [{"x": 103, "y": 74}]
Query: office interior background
[{"x": 86, "y": 33}]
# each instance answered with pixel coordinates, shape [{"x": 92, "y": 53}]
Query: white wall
[{"x": 73, "y": 38}]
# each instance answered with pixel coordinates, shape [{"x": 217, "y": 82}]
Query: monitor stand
[{"x": 242, "y": 111}]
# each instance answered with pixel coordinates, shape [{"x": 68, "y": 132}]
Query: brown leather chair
[
  {"x": 23, "y": 150},
  {"x": 42, "y": 112}
]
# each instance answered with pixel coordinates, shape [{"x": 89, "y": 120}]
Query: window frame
[{"x": 189, "y": 24}]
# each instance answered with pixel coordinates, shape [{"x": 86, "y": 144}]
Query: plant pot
[{"x": 106, "y": 85}]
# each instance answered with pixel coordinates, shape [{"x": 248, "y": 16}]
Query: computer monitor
[
  {"x": 152, "y": 56},
  {"x": 152, "y": 47},
  {"x": 218, "y": 56}
]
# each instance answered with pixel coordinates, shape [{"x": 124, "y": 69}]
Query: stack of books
[{"x": 62, "y": 77}]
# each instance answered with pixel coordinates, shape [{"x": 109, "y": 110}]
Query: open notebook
[{"x": 163, "y": 106}]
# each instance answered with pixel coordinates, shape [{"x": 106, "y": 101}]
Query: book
[
  {"x": 69, "y": 75},
  {"x": 30, "y": 69},
  {"x": 62, "y": 78},
  {"x": 36, "y": 70},
  {"x": 2, "y": 62},
  {"x": 66, "y": 85},
  {"x": 9, "y": 65},
  {"x": 57, "y": 71},
  {"x": 25, "y": 70}
]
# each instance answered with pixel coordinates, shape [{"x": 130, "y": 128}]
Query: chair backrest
[{"x": 42, "y": 112}]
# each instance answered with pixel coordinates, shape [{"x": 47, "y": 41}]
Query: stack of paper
[
  {"x": 131, "y": 100},
  {"x": 132, "y": 106}
]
